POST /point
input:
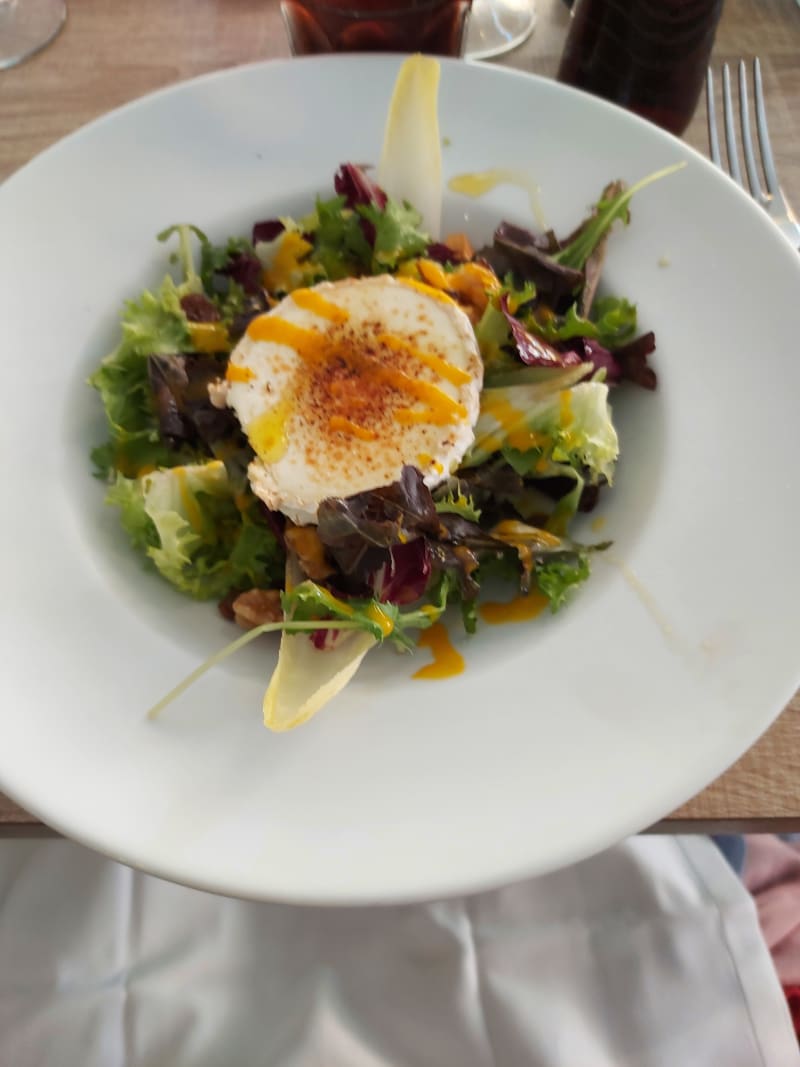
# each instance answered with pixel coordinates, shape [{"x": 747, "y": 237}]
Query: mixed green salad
[{"x": 384, "y": 563}]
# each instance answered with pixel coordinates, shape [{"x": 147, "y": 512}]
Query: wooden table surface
[{"x": 110, "y": 53}]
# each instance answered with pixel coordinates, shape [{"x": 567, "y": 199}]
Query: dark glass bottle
[{"x": 650, "y": 56}]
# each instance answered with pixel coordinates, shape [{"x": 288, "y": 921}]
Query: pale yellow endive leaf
[
  {"x": 411, "y": 162},
  {"x": 306, "y": 678}
]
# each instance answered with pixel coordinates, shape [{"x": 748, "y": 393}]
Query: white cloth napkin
[{"x": 648, "y": 955}]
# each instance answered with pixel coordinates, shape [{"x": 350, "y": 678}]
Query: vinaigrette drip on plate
[
  {"x": 447, "y": 661},
  {"x": 520, "y": 609}
]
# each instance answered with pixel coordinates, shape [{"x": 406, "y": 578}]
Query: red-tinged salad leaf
[
  {"x": 529, "y": 257},
  {"x": 627, "y": 363},
  {"x": 601, "y": 359},
  {"x": 517, "y": 238},
  {"x": 358, "y": 189},
  {"x": 245, "y": 269},
  {"x": 392, "y": 540},
  {"x": 268, "y": 230},
  {"x": 188, "y": 420},
  {"x": 446, "y": 544},
  {"x": 403, "y": 577},
  {"x": 198, "y": 308},
  {"x": 442, "y": 253},
  {"x": 607, "y": 341},
  {"x": 215, "y": 259},
  {"x": 532, "y": 350},
  {"x": 392, "y": 515},
  {"x": 632, "y": 359}
]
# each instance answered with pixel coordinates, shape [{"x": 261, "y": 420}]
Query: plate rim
[{"x": 521, "y": 869}]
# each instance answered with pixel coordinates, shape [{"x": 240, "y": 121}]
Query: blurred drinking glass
[
  {"x": 28, "y": 26},
  {"x": 497, "y": 26},
  {"x": 432, "y": 26},
  {"x": 650, "y": 56}
]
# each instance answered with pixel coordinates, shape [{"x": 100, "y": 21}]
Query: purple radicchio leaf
[
  {"x": 403, "y": 577},
  {"x": 528, "y": 256},
  {"x": 632, "y": 358},
  {"x": 267, "y": 230},
  {"x": 442, "y": 253},
  {"x": 246, "y": 270},
  {"x": 532, "y": 350},
  {"x": 351, "y": 182},
  {"x": 198, "y": 308},
  {"x": 598, "y": 355}
]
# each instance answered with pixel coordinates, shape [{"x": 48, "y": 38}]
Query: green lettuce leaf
[
  {"x": 452, "y": 501},
  {"x": 612, "y": 323},
  {"x": 397, "y": 233},
  {"x": 153, "y": 325},
  {"x": 614, "y": 319},
  {"x": 156, "y": 324},
  {"x": 557, "y": 578},
  {"x": 188, "y": 522},
  {"x": 342, "y": 246},
  {"x": 493, "y": 337},
  {"x": 576, "y": 253},
  {"x": 339, "y": 242},
  {"x": 192, "y": 281},
  {"x": 309, "y": 601},
  {"x": 532, "y": 465},
  {"x": 126, "y": 494},
  {"x": 214, "y": 258},
  {"x": 567, "y": 426}
]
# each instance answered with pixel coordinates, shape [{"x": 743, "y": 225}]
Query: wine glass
[
  {"x": 497, "y": 26},
  {"x": 28, "y": 26}
]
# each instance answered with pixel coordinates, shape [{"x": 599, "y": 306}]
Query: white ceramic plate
[{"x": 562, "y": 735}]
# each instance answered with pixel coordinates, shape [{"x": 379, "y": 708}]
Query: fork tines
[{"x": 757, "y": 190}]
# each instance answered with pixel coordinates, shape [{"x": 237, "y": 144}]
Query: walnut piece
[{"x": 256, "y": 607}]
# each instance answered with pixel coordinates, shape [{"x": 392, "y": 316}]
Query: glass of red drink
[
  {"x": 648, "y": 55},
  {"x": 432, "y": 26}
]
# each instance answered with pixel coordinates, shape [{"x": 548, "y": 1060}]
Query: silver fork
[{"x": 771, "y": 198}]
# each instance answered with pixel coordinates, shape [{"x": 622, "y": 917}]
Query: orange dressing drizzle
[
  {"x": 428, "y": 290},
  {"x": 271, "y": 328},
  {"x": 311, "y": 301},
  {"x": 426, "y": 460},
  {"x": 565, "y": 402},
  {"x": 312, "y": 346},
  {"x": 209, "y": 336},
  {"x": 447, "y": 662},
  {"x": 512, "y": 422},
  {"x": 291, "y": 250},
  {"x": 267, "y": 432},
  {"x": 190, "y": 505},
  {"x": 432, "y": 273},
  {"x": 520, "y": 609},
  {"x": 342, "y": 425},
  {"x": 450, "y": 373},
  {"x": 235, "y": 373}
]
